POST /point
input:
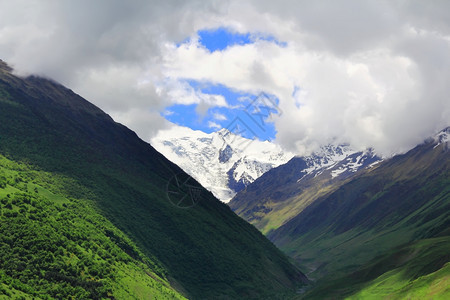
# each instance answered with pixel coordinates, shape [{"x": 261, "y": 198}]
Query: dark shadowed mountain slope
[{"x": 69, "y": 149}]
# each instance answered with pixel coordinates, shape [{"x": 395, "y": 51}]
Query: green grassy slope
[
  {"x": 418, "y": 270},
  {"x": 206, "y": 251},
  {"x": 403, "y": 200}
]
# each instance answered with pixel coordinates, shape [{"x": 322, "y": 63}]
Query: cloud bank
[{"x": 370, "y": 73}]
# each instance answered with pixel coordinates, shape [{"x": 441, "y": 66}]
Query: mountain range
[
  {"x": 90, "y": 211},
  {"x": 226, "y": 163}
]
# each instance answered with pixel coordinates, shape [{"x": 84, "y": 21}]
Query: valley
[
  {"x": 359, "y": 225},
  {"x": 225, "y": 150},
  {"x": 89, "y": 201}
]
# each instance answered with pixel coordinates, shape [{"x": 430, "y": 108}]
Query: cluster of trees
[
  {"x": 58, "y": 250},
  {"x": 44, "y": 252}
]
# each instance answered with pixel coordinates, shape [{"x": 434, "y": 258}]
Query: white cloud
[
  {"x": 180, "y": 92},
  {"x": 219, "y": 117},
  {"x": 214, "y": 125},
  {"x": 145, "y": 123},
  {"x": 373, "y": 73}
]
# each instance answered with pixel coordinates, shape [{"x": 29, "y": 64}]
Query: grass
[
  {"x": 132, "y": 283},
  {"x": 393, "y": 285},
  {"x": 417, "y": 270}
]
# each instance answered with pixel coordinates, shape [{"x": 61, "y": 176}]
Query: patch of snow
[
  {"x": 337, "y": 172},
  {"x": 443, "y": 137},
  {"x": 373, "y": 164}
]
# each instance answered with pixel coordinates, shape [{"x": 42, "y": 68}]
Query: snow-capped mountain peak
[
  {"x": 327, "y": 156},
  {"x": 338, "y": 160},
  {"x": 221, "y": 161}
]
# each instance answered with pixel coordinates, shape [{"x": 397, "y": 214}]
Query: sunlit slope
[
  {"x": 53, "y": 246},
  {"x": 418, "y": 270}
]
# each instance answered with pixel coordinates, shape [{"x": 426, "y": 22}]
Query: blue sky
[
  {"x": 241, "y": 115},
  {"x": 221, "y": 38},
  {"x": 245, "y": 114}
]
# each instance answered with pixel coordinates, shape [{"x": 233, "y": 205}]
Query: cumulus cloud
[
  {"x": 219, "y": 117},
  {"x": 371, "y": 73}
]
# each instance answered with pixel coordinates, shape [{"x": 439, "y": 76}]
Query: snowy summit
[{"x": 221, "y": 161}]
